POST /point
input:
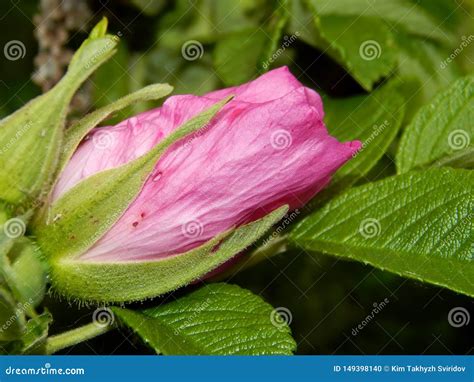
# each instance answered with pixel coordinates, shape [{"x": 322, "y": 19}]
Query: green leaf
[
  {"x": 374, "y": 119},
  {"x": 27, "y": 273},
  {"x": 363, "y": 45},
  {"x": 417, "y": 225},
  {"x": 36, "y": 332},
  {"x": 236, "y": 56},
  {"x": 76, "y": 133},
  {"x": 36, "y": 129},
  {"x": 130, "y": 281},
  {"x": 84, "y": 213},
  {"x": 218, "y": 319},
  {"x": 463, "y": 158},
  {"x": 397, "y": 14},
  {"x": 439, "y": 9},
  {"x": 208, "y": 21},
  {"x": 440, "y": 129},
  {"x": 12, "y": 318},
  {"x": 25, "y": 277},
  {"x": 274, "y": 47},
  {"x": 161, "y": 64},
  {"x": 423, "y": 71},
  {"x": 340, "y": 24}
]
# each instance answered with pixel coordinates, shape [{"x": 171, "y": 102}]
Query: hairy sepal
[
  {"x": 124, "y": 281},
  {"x": 31, "y": 137},
  {"x": 86, "y": 212}
]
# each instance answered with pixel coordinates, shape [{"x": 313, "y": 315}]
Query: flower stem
[{"x": 75, "y": 336}]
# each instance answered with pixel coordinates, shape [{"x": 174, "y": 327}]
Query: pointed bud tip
[{"x": 100, "y": 29}]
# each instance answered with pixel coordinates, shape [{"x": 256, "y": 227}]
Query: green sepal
[
  {"x": 76, "y": 133},
  {"x": 83, "y": 214},
  {"x": 100, "y": 29},
  {"x": 135, "y": 280},
  {"x": 30, "y": 138}
]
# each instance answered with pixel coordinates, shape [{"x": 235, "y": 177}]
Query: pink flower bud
[{"x": 266, "y": 148}]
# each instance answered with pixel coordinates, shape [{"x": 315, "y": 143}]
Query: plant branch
[{"x": 75, "y": 336}]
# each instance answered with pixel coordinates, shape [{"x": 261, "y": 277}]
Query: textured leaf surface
[
  {"x": 128, "y": 281},
  {"x": 217, "y": 319},
  {"x": 84, "y": 213},
  {"x": 440, "y": 129},
  {"x": 418, "y": 225}
]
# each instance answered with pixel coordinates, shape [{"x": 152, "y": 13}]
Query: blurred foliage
[{"x": 201, "y": 45}]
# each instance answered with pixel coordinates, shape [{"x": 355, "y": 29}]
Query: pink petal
[{"x": 266, "y": 148}]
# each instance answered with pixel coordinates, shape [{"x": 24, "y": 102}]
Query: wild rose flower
[{"x": 266, "y": 148}]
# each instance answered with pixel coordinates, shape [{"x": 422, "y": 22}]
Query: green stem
[{"x": 75, "y": 336}]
